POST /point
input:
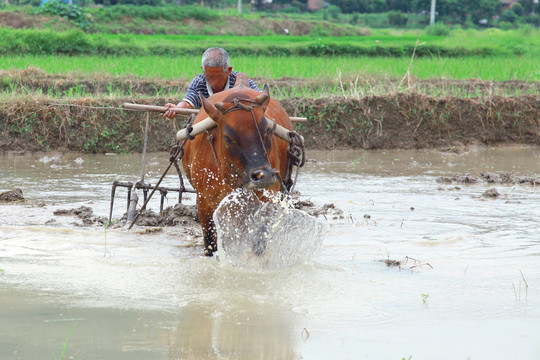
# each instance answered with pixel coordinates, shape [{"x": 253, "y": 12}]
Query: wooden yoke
[{"x": 208, "y": 123}]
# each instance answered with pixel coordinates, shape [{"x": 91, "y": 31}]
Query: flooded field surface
[{"x": 416, "y": 268}]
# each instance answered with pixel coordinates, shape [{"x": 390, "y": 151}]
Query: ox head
[{"x": 245, "y": 138}]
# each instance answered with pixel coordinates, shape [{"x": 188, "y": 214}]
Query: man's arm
[
  {"x": 184, "y": 104},
  {"x": 190, "y": 100},
  {"x": 171, "y": 113},
  {"x": 198, "y": 84}
]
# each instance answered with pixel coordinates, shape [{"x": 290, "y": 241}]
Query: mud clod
[
  {"x": 84, "y": 213},
  {"x": 171, "y": 216},
  {"x": 391, "y": 263},
  {"x": 490, "y": 178},
  {"x": 12, "y": 195},
  {"x": 150, "y": 230},
  {"x": 502, "y": 178},
  {"x": 328, "y": 211},
  {"x": 304, "y": 203},
  {"x": 491, "y": 193},
  {"x": 462, "y": 179}
]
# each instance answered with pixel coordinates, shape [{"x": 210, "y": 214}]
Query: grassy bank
[
  {"x": 362, "y": 91},
  {"x": 460, "y": 44},
  {"x": 371, "y": 122},
  {"x": 223, "y": 18}
]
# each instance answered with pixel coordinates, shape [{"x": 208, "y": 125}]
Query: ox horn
[
  {"x": 210, "y": 108},
  {"x": 264, "y": 98},
  {"x": 220, "y": 106}
]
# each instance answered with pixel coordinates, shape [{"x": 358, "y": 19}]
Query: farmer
[{"x": 217, "y": 76}]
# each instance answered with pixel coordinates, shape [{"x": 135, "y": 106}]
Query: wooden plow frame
[{"x": 132, "y": 197}]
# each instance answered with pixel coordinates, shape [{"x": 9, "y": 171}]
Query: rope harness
[
  {"x": 295, "y": 152},
  {"x": 240, "y": 106}
]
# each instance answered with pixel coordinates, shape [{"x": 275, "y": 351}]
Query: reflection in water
[
  {"x": 245, "y": 330},
  {"x": 129, "y": 295}
]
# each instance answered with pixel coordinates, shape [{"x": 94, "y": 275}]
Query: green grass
[
  {"x": 64, "y": 347},
  {"x": 385, "y": 43},
  {"x": 470, "y": 39},
  {"x": 526, "y": 68}
]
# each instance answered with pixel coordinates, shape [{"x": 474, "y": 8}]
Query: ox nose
[
  {"x": 262, "y": 177},
  {"x": 258, "y": 175}
]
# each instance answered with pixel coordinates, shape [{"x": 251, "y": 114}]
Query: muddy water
[{"x": 467, "y": 284}]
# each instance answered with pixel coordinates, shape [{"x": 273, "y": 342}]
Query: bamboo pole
[
  {"x": 182, "y": 111},
  {"x": 160, "y": 109}
]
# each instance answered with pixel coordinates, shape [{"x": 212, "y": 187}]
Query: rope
[
  {"x": 189, "y": 127},
  {"x": 92, "y": 107},
  {"x": 145, "y": 144},
  {"x": 240, "y": 106},
  {"x": 296, "y": 155}
]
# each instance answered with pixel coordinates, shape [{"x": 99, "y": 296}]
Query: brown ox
[{"x": 241, "y": 151}]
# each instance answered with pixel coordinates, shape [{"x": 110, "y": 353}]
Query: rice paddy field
[
  {"x": 525, "y": 68},
  {"x": 521, "y": 41},
  {"x": 336, "y": 64},
  {"x": 344, "y": 96},
  {"x": 490, "y": 55},
  {"x": 438, "y": 110}
]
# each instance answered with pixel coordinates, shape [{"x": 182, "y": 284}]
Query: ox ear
[
  {"x": 210, "y": 109},
  {"x": 264, "y": 98}
]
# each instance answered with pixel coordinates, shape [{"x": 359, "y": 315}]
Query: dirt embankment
[
  {"x": 372, "y": 122},
  {"x": 34, "y": 80},
  {"x": 420, "y": 121},
  {"x": 470, "y": 112},
  {"x": 227, "y": 25},
  {"x": 21, "y": 20}
]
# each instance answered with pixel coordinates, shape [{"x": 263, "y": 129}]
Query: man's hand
[{"x": 171, "y": 114}]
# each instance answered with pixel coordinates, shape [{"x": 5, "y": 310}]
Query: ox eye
[{"x": 228, "y": 140}]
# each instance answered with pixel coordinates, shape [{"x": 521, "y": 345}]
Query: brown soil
[
  {"x": 179, "y": 214},
  {"x": 84, "y": 213},
  {"x": 374, "y": 122},
  {"x": 20, "y": 20},
  {"x": 36, "y": 80},
  {"x": 14, "y": 195},
  {"x": 490, "y": 178},
  {"x": 491, "y": 193},
  {"x": 419, "y": 121}
]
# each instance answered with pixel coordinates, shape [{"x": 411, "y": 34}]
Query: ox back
[{"x": 240, "y": 152}]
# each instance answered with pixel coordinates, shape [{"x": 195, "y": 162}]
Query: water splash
[{"x": 265, "y": 235}]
